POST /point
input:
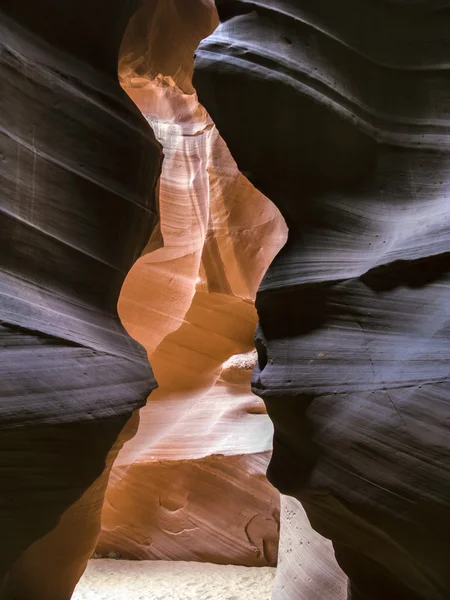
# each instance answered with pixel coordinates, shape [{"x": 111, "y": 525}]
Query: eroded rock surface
[
  {"x": 339, "y": 113},
  {"x": 79, "y": 166},
  {"x": 191, "y": 485}
]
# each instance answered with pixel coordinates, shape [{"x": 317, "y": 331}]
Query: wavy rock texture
[
  {"x": 191, "y": 485},
  {"x": 338, "y": 112},
  {"x": 79, "y": 167}
]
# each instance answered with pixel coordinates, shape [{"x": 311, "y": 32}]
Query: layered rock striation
[
  {"x": 79, "y": 167},
  {"x": 191, "y": 485},
  {"x": 339, "y": 113}
]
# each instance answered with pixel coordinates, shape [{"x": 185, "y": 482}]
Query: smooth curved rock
[
  {"x": 79, "y": 166},
  {"x": 191, "y": 485},
  {"x": 339, "y": 113},
  {"x": 161, "y": 38}
]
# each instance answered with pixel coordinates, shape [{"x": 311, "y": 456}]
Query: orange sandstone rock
[{"x": 191, "y": 484}]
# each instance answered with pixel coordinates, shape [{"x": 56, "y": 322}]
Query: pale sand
[{"x": 106, "y": 579}]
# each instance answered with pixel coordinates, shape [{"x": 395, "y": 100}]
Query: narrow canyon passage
[
  {"x": 191, "y": 484},
  {"x": 176, "y": 174}
]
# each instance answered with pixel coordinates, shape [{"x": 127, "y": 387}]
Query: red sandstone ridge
[{"x": 191, "y": 485}]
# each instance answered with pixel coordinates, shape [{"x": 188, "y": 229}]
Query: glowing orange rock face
[{"x": 191, "y": 484}]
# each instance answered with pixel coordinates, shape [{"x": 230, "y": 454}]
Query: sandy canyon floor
[{"x": 107, "y": 579}]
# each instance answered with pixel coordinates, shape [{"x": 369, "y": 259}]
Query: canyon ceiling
[{"x": 300, "y": 165}]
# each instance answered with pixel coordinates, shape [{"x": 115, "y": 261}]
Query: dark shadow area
[{"x": 411, "y": 273}]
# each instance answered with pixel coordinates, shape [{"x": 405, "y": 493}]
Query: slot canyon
[{"x": 225, "y": 297}]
